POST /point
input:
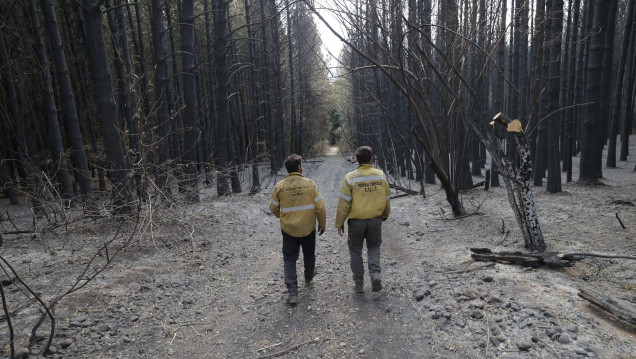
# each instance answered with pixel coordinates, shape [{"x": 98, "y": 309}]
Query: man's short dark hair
[
  {"x": 292, "y": 162},
  {"x": 364, "y": 154}
]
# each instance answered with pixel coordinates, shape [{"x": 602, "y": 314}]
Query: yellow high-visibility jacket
[
  {"x": 296, "y": 201},
  {"x": 365, "y": 194}
]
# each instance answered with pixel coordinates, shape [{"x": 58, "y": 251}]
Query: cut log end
[
  {"x": 515, "y": 126},
  {"x": 501, "y": 118}
]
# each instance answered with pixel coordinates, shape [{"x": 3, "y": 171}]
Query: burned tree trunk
[
  {"x": 68, "y": 100},
  {"x": 190, "y": 129},
  {"x": 161, "y": 93},
  {"x": 609, "y": 304},
  {"x": 255, "y": 121},
  {"x": 6, "y": 182},
  {"x": 48, "y": 93},
  {"x": 223, "y": 159},
  {"x": 523, "y": 204},
  {"x": 548, "y": 259},
  {"x": 105, "y": 98}
]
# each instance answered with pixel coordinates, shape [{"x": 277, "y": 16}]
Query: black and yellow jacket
[
  {"x": 296, "y": 201},
  {"x": 365, "y": 194}
]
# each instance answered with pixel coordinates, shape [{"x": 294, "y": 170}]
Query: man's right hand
[{"x": 341, "y": 231}]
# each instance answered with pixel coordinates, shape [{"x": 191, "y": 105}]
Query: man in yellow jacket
[
  {"x": 365, "y": 200},
  {"x": 296, "y": 201}
]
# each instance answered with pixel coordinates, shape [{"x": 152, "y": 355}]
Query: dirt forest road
[
  {"x": 206, "y": 281},
  {"x": 330, "y": 321},
  {"x": 436, "y": 302}
]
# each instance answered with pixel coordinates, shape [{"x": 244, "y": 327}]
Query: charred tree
[
  {"x": 82, "y": 79},
  {"x": 591, "y": 141},
  {"x": 254, "y": 108},
  {"x": 617, "y": 93},
  {"x": 7, "y": 182},
  {"x": 221, "y": 47},
  {"x": 523, "y": 205},
  {"x": 279, "y": 119},
  {"x": 555, "y": 8},
  {"x": 20, "y": 127},
  {"x": 104, "y": 94},
  {"x": 569, "y": 121},
  {"x": 161, "y": 83},
  {"x": 60, "y": 167},
  {"x": 68, "y": 102},
  {"x": 190, "y": 128}
]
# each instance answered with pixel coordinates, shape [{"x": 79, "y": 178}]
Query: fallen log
[
  {"x": 399, "y": 188},
  {"x": 479, "y": 184},
  {"x": 400, "y": 195},
  {"x": 549, "y": 259},
  {"x": 608, "y": 304}
]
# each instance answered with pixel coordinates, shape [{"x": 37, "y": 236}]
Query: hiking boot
[
  {"x": 313, "y": 274},
  {"x": 292, "y": 299},
  {"x": 359, "y": 288},
  {"x": 376, "y": 283}
]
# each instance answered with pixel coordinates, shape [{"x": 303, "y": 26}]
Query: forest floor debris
[{"x": 206, "y": 281}]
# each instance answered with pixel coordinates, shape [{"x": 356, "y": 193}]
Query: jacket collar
[
  {"x": 293, "y": 174},
  {"x": 366, "y": 165}
]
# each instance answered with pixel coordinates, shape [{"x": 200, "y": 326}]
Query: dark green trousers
[{"x": 361, "y": 230}]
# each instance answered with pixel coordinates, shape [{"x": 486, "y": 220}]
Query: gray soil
[{"x": 205, "y": 280}]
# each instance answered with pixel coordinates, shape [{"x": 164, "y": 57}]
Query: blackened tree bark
[
  {"x": 539, "y": 127},
  {"x": 68, "y": 102},
  {"x": 220, "y": 11},
  {"x": 254, "y": 112},
  {"x": 626, "y": 114},
  {"x": 617, "y": 93},
  {"x": 81, "y": 71},
  {"x": 569, "y": 127},
  {"x": 280, "y": 132},
  {"x": 555, "y": 8},
  {"x": 581, "y": 67},
  {"x": 525, "y": 61},
  {"x": 513, "y": 92},
  {"x": 520, "y": 194},
  {"x": 6, "y": 181},
  {"x": 209, "y": 44},
  {"x": 268, "y": 115},
  {"x": 127, "y": 94},
  {"x": 203, "y": 143},
  {"x": 20, "y": 127},
  {"x": 160, "y": 116},
  {"x": 234, "y": 130},
  {"x": 133, "y": 98},
  {"x": 140, "y": 51},
  {"x": 293, "y": 142},
  {"x": 102, "y": 80},
  {"x": 54, "y": 134},
  {"x": 606, "y": 69},
  {"x": 591, "y": 143},
  {"x": 175, "y": 101},
  {"x": 190, "y": 130},
  {"x": 498, "y": 84}
]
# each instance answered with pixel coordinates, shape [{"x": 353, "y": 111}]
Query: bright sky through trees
[{"x": 331, "y": 45}]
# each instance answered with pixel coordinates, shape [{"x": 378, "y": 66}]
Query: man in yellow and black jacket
[
  {"x": 365, "y": 200},
  {"x": 296, "y": 201}
]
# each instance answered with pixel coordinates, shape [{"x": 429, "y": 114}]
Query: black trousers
[{"x": 291, "y": 249}]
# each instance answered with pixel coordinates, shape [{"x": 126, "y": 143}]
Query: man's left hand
[
  {"x": 341, "y": 231},
  {"x": 321, "y": 232}
]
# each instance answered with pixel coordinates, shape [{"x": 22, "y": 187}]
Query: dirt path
[
  {"x": 207, "y": 282},
  {"x": 335, "y": 321}
]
